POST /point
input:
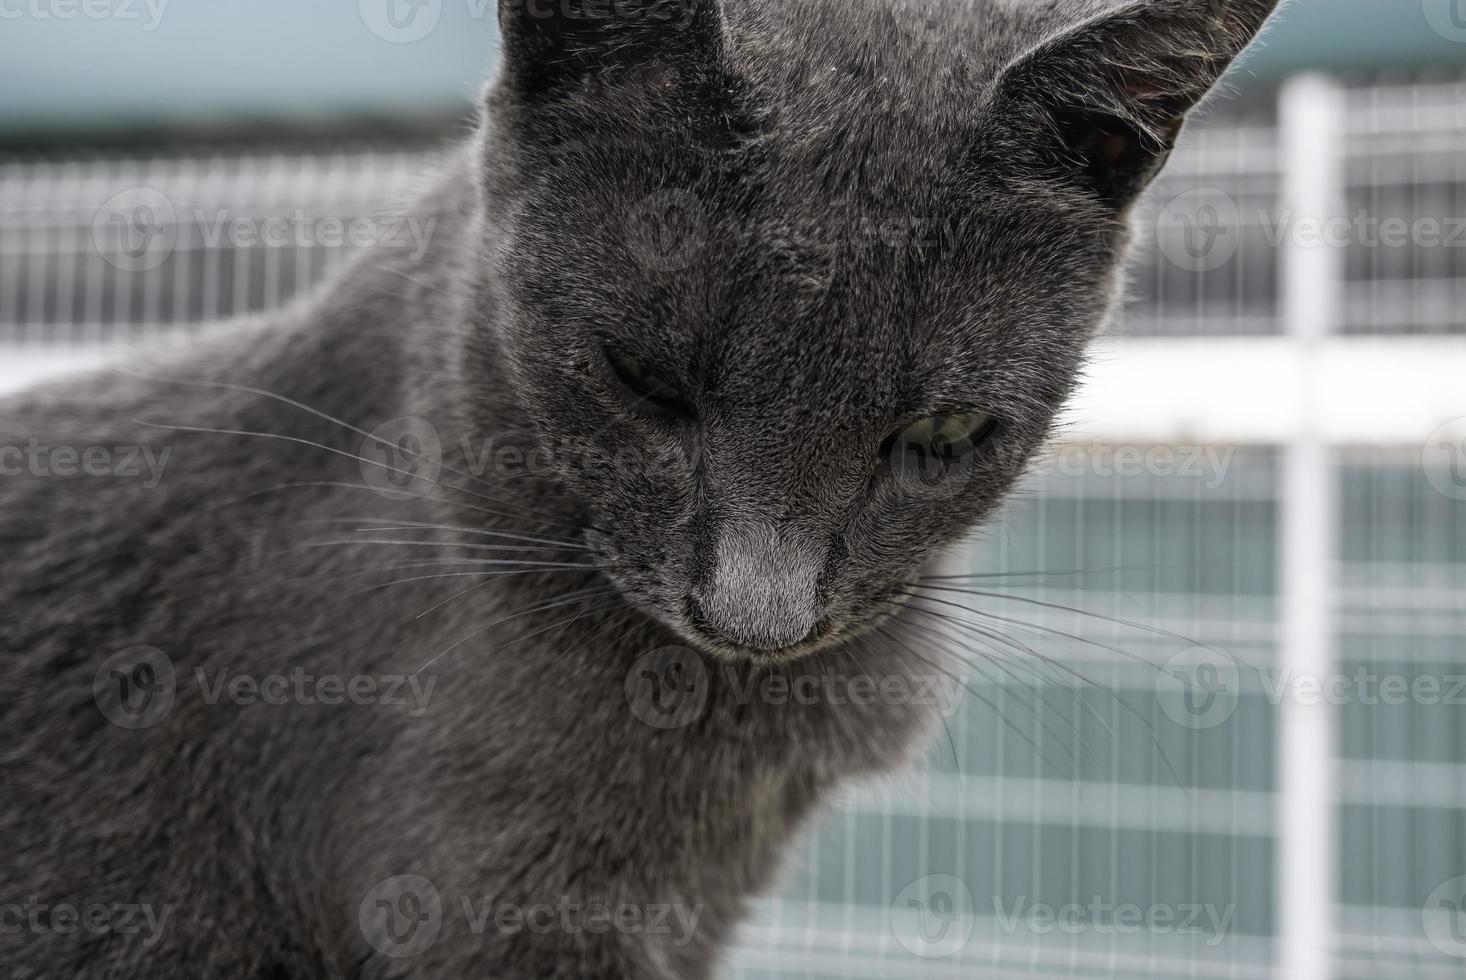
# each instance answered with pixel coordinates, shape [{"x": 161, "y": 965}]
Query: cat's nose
[{"x": 763, "y": 591}]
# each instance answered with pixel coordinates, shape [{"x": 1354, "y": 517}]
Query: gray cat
[{"x": 456, "y": 632}]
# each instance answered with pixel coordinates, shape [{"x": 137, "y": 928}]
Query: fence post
[{"x": 1311, "y": 123}]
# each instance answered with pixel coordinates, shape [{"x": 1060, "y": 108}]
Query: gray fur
[{"x": 1008, "y": 138}]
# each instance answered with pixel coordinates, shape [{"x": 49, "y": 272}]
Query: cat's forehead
[
  {"x": 885, "y": 36},
  {"x": 868, "y": 248},
  {"x": 829, "y": 80}
]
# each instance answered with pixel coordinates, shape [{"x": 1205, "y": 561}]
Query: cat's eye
[
  {"x": 643, "y": 384},
  {"x": 931, "y": 447}
]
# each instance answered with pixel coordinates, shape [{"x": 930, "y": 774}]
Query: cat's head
[{"x": 794, "y": 290}]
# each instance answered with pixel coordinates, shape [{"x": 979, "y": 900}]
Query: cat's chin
[
  {"x": 831, "y": 635},
  {"x": 736, "y": 654}
]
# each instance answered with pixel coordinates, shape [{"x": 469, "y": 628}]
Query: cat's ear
[
  {"x": 548, "y": 44},
  {"x": 1106, "y": 98}
]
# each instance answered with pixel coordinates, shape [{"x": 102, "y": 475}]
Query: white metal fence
[{"x": 1271, "y": 464}]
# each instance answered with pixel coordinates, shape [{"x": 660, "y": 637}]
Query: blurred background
[{"x": 1227, "y": 735}]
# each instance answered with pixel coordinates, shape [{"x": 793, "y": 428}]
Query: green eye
[
  {"x": 930, "y": 447},
  {"x": 644, "y": 385}
]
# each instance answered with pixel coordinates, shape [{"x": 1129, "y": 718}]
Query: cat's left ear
[
  {"x": 548, "y": 45},
  {"x": 1106, "y": 98}
]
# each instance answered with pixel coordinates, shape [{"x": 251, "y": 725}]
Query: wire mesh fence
[{"x": 124, "y": 249}]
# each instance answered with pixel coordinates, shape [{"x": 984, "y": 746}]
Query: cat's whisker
[
  {"x": 543, "y": 607},
  {"x": 342, "y": 485},
  {"x": 1043, "y": 628},
  {"x": 574, "y": 619},
  {"x": 479, "y": 585},
  {"x": 532, "y": 563},
  {"x": 1057, "y": 665},
  {"x": 400, "y": 525},
  {"x": 491, "y": 576},
  {"x": 998, "y": 662},
  {"x": 465, "y": 562},
  {"x": 951, "y": 742},
  {"x": 530, "y": 548},
  {"x": 633, "y": 624},
  {"x": 1062, "y": 673},
  {"x": 285, "y": 400},
  {"x": 1064, "y": 573},
  {"x": 517, "y": 549},
  {"x": 596, "y": 607},
  {"x": 311, "y": 443},
  {"x": 1007, "y": 639},
  {"x": 974, "y": 692},
  {"x": 1005, "y": 665},
  {"x": 1060, "y": 607}
]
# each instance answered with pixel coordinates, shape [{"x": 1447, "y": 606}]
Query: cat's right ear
[
  {"x": 1101, "y": 102},
  {"x": 551, "y": 46}
]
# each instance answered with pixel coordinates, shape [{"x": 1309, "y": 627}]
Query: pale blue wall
[{"x": 215, "y": 60}]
